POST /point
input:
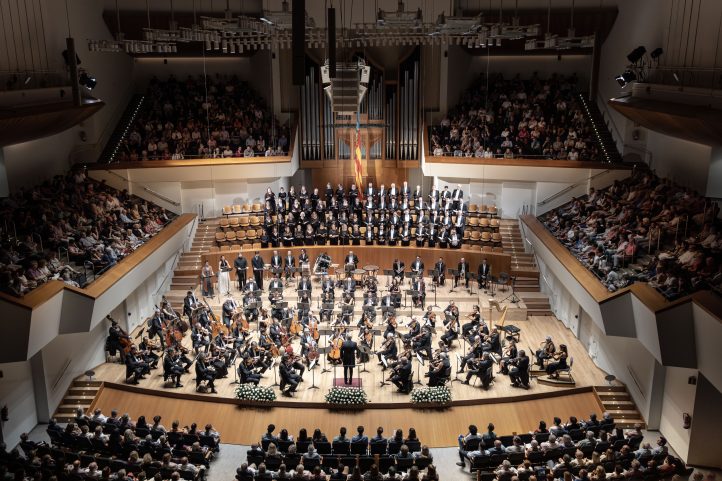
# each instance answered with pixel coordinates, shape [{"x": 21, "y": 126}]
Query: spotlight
[
  {"x": 627, "y": 77},
  {"x": 656, "y": 53},
  {"x": 636, "y": 54},
  {"x": 87, "y": 81}
]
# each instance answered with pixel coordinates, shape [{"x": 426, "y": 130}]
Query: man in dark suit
[
  {"x": 189, "y": 303},
  {"x": 155, "y": 326},
  {"x": 290, "y": 263},
  {"x": 240, "y": 264},
  {"x": 289, "y": 377},
  {"x": 402, "y": 375},
  {"x": 519, "y": 370},
  {"x": 398, "y": 268},
  {"x": 484, "y": 273},
  {"x": 418, "y": 266},
  {"x": 351, "y": 259},
  {"x": 276, "y": 262},
  {"x": 463, "y": 269},
  {"x": 440, "y": 267},
  {"x": 258, "y": 265},
  {"x": 349, "y": 348}
]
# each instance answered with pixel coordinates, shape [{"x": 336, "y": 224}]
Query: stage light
[
  {"x": 636, "y": 54},
  {"x": 656, "y": 53},
  {"x": 87, "y": 81},
  {"x": 627, "y": 77}
]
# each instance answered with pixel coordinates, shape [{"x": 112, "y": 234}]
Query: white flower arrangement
[
  {"x": 431, "y": 395},
  {"x": 349, "y": 396},
  {"x": 251, "y": 392}
]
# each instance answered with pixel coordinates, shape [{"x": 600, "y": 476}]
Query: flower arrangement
[
  {"x": 251, "y": 392},
  {"x": 348, "y": 396},
  {"x": 431, "y": 395}
]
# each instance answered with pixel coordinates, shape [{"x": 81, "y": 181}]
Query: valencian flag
[{"x": 357, "y": 159}]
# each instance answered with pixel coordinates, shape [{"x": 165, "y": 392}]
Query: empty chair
[
  {"x": 233, "y": 222},
  {"x": 227, "y": 210},
  {"x": 236, "y": 209},
  {"x": 223, "y": 223}
]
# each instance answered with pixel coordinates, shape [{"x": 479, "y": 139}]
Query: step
[
  {"x": 624, "y": 413},
  {"x": 610, "y": 389},
  {"x": 618, "y": 403},
  {"x": 539, "y": 312},
  {"x": 630, "y": 423},
  {"x": 613, "y": 396},
  {"x": 67, "y": 408},
  {"x": 84, "y": 383},
  {"x": 186, "y": 272},
  {"x": 78, "y": 399},
  {"x": 184, "y": 278},
  {"x": 82, "y": 391}
]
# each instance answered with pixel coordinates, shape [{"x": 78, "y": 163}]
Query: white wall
[
  {"x": 686, "y": 163},
  {"x": 17, "y": 393},
  {"x": 678, "y": 398}
]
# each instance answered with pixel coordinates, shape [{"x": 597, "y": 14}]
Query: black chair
[
  {"x": 422, "y": 463},
  {"x": 541, "y": 437},
  {"x": 302, "y": 446},
  {"x": 142, "y": 432},
  {"x": 198, "y": 458},
  {"x": 413, "y": 445},
  {"x": 209, "y": 441},
  {"x": 601, "y": 447},
  {"x": 273, "y": 463},
  {"x": 255, "y": 459},
  {"x": 394, "y": 447},
  {"x": 404, "y": 464},
  {"x": 506, "y": 440},
  {"x": 472, "y": 444},
  {"x": 309, "y": 464},
  {"x": 117, "y": 464},
  {"x": 516, "y": 458},
  {"x": 480, "y": 463},
  {"x": 292, "y": 460},
  {"x": 385, "y": 462},
  {"x": 497, "y": 459},
  {"x": 329, "y": 462},
  {"x": 359, "y": 447},
  {"x": 341, "y": 448},
  {"x": 378, "y": 447},
  {"x": 283, "y": 445},
  {"x": 322, "y": 447},
  {"x": 505, "y": 476},
  {"x": 536, "y": 457},
  {"x": 523, "y": 475}
]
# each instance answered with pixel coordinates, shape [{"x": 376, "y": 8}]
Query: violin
[
  {"x": 296, "y": 327},
  {"x": 392, "y": 322}
]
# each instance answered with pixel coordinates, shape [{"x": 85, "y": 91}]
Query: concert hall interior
[{"x": 345, "y": 240}]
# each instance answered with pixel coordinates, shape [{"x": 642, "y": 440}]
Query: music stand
[
  {"x": 383, "y": 375},
  {"x": 388, "y": 311},
  {"x": 454, "y": 273},
  {"x": 409, "y": 275},
  {"x": 311, "y": 365},
  {"x": 412, "y": 293},
  {"x": 364, "y": 350},
  {"x": 272, "y": 366},
  {"x": 388, "y": 273},
  {"x": 458, "y": 363},
  {"x": 236, "y": 379},
  {"x": 434, "y": 283},
  {"x": 418, "y": 372}
]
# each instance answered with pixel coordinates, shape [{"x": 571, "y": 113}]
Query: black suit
[
  {"x": 418, "y": 266},
  {"x": 463, "y": 275},
  {"x": 258, "y": 265},
  {"x": 348, "y": 357},
  {"x": 402, "y": 377},
  {"x": 519, "y": 371},
  {"x": 240, "y": 265},
  {"x": 398, "y": 268},
  {"x": 484, "y": 273},
  {"x": 441, "y": 270}
]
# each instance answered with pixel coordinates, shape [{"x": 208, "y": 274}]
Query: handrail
[
  {"x": 636, "y": 382},
  {"x": 117, "y": 175},
  {"x": 170, "y": 271},
  {"x": 571, "y": 187},
  {"x": 62, "y": 373},
  {"x": 606, "y": 115},
  {"x": 162, "y": 197}
]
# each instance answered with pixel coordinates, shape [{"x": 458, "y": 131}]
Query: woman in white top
[{"x": 224, "y": 278}]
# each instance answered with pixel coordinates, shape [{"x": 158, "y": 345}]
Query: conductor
[{"x": 349, "y": 350}]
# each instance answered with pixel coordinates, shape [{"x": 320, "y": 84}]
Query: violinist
[
  {"x": 475, "y": 352},
  {"x": 327, "y": 286},
  {"x": 414, "y": 329},
  {"x": 205, "y": 372},
  {"x": 366, "y": 319},
  {"x": 276, "y": 284},
  {"x": 493, "y": 341},
  {"x": 439, "y": 372},
  {"x": 519, "y": 370},
  {"x": 473, "y": 324},
  {"x": 305, "y": 284},
  {"x": 155, "y": 326},
  {"x": 135, "y": 367},
  {"x": 246, "y": 372},
  {"x": 389, "y": 349},
  {"x": 452, "y": 332},
  {"x": 228, "y": 310},
  {"x": 145, "y": 351},
  {"x": 327, "y": 300},
  {"x": 419, "y": 287},
  {"x": 200, "y": 338},
  {"x": 349, "y": 284},
  {"x": 451, "y": 313},
  {"x": 172, "y": 368},
  {"x": 335, "y": 342},
  {"x": 480, "y": 367},
  {"x": 219, "y": 357},
  {"x": 289, "y": 377},
  {"x": 308, "y": 343},
  {"x": 347, "y": 307},
  {"x": 422, "y": 343},
  {"x": 366, "y": 338},
  {"x": 546, "y": 351},
  {"x": 391, "y": 326},
  {"x": 261, "y": 358},
  {"x": 429, "y": 317},
  {"x": 440, "y": 269},
  {"x": 250, "y": 313},
  {"x": 401, "y": 376},
  {"x": 275, "y": 331},
  {"x": 510, "y": 352}
]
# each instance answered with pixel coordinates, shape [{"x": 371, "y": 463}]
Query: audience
[
  {"x": 210, "y": 116},
  {"x": 517, "y": 118},
  {"x": 646, "y": 229},
  {"x": 72, "y": 213}
]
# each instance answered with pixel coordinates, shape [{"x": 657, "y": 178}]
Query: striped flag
[{"x": 357, "y": 159}]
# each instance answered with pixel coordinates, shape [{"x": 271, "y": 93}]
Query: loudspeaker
[
  {"x": 298, "y": 42},
  {"x": 331, "y": 41}
]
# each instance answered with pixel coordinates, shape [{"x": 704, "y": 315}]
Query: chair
[
  {"x": 240, "y": 236},
  {"x": 220, "y": 237},
  {"x": 223, "y": 223},
  {"x": 233, "y": 222},
  {"x": 230, "y": 236},
  {"x": 255, "y": 221},
  {"x": 236, "y": 209},
  {"x": 414, "y": 446},
  {"x": 341, "y": 447},
  {"x": 359, "y": 447},
  {"x": 473, "y": 209},
  {"x": 213, "y": 249},
  {"x": 496, "y": 238},
  {"x": 394, "y": 447},
  {"x": 322, "y": 447},
  {"x": 484, "y": 222},
  {"x": 567, "y": 370},
  {"x": 494, "y": 223},
  {"x": 284, "y": 444},
  {"x": 244, "y": 221},
  {"x": 227, "y": 210},
  {"x": 256, "y": 208},
  {"x": 475, "y": 237},
  {"x": 378, "y": 447},
  {"x": 483, "y": 209},
  {"x": 486, "y": 249},
  {"x": 485, "y": 237},
  {"x": 310, "y": 464},
  {"x": 404, "y": 464},
  {"x": 472, "y": 221}
]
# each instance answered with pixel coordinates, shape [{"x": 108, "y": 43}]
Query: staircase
[
  {"x": 523, "y": 266},
  {"x": 185, "y": 276},
  {"x": 604, "y": 138},
  {"x": 81, "y": 393},
  {"x": 121, "y": 130},
  {"x": 617, "y": 402}
]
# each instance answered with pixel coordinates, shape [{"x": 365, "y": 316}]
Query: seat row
[{"x": 330, "y": 463}]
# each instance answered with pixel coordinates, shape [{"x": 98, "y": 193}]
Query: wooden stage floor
[
  {"x": 436, "y": 427},
  {"x": 533, "y": 331}
]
